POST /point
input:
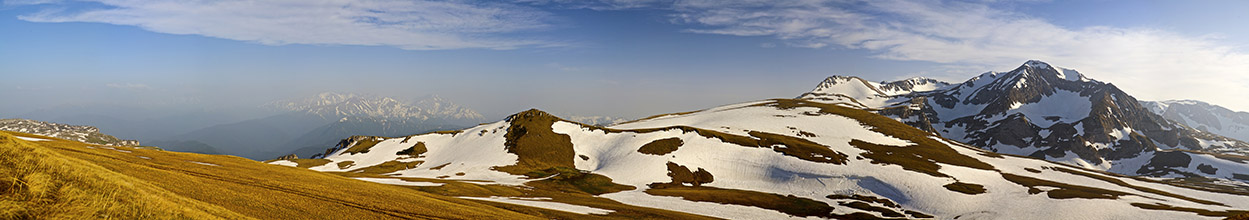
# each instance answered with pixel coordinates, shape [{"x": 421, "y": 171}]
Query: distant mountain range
[
  {"x": 80, "y": 133},
  {"x": 770, "y": 159},
  {"x": 1049, "y": 112},
  {"x": 597, "y": 120},
  {"x": 305, "y": 125},
  {"x": 1203, "y": 116}
]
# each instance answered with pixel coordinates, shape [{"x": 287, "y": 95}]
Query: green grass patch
[
  {"x": 345, "y": 164},
  {"x": 661, "y": 146},
  {"x": 1135, "y": 187},
  {"x": 530, "y": 137},
  {"x": 800, "y": 148},
  {"x": 1203, "y": 212},
  {"x": 872, "y": 199},
  {"x": 965, "y": 188},
  {"x": 682, "y": 175},
  {"x": 869, "y": 207},
  {"x": 787, "y": 204},
  {"x": 416, "y": 150},
  {"x": 388, "y": 167},
  {"x": 1064, "y": 191},
  {"x": 923, "y": 156},
  {"x": 570, "y": 180},
  {"x": 362, "y": 144}
]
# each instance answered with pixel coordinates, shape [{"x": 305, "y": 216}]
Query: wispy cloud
[
  {"x": 1149, "y": 63},
  {"x": 129, "y": 86},
  {"x": 562, "y": 67},
  {"x": 412, "y": 25},
  {"x": 600, "y": 4},
  {"x": 28, "y": 2}
]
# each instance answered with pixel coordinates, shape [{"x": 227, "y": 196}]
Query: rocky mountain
[
  {"x": 80, "y": 133},
  {"x": 771, "y": 159},
  {"x": 1049, "y": 112},
  {"x": 305, "y": 125},
  {"x": 1203, "y": 116}
]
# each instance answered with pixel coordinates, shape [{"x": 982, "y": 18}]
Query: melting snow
[
  {"x": 31, "y": 138},
  {"x": 1073, "y": 159},
  {"x": 1067, "y": 105},
  {"x": 393, "y": 181},
  {"x": 474, "y": 152},
  {"x": 202, "y": 163},
  {"x": 535, "y": 202},
  {"x": 284, "y": 163}
]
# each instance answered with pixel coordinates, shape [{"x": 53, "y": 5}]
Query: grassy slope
[
  {"x": 38, "y": 182},
  {"x": 64, "y": 178}
]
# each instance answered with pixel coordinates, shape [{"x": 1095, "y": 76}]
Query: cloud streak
[
  {"x": 1151, "y": 64},
  {"x": 411, "y": 25}
]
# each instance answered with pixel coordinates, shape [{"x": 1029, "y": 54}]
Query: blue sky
[{"x": 627, "y": 58}]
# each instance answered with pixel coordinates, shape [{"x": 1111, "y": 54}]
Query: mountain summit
[{"x": 1049, "y": 112}]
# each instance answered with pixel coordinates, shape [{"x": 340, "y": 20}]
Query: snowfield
[{"x": 919, "y": 173}]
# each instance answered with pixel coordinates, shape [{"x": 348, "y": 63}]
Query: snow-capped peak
[
  {"x": 1037, "y": 64},
  {"x": 913, "y": 84},
  {"x": 344, "y": 105},
  {"x": 848, "y": 85},
  {"x": 1060, "y": 72}
]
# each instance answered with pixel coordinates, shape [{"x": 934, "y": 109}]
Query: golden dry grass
[
  {"x": 39, "y": 183},
  {"x": 530, "y": 137},
  {"x": 130, "y": 183}
]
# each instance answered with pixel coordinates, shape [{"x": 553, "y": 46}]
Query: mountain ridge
[
  {"x": 303, "y": 126},
  {"x": 1042, "y": 111},
  {"x": 1203, "y": 116},
  {"x": 825, "y": 156},
  {"x": 81, "y": 133}
]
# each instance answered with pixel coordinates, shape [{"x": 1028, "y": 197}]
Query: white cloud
[
  {"x": 1149, "y": 64},
  {"x": 413, "y": 25},
  {"x": 129, "y": 86}
]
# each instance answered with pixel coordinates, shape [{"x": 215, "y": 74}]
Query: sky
[{"x": 622, "y": 58}]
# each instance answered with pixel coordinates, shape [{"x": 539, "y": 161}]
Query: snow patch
[
  {"x": 1062, "y": 106},
  {"x": 393, "y": 181},
  {"x": 31, "y": 138},
  {"x": 585, "y": 210},
  {"x": 285, "y": 163},
  {"x": 203, "y": 163}
]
